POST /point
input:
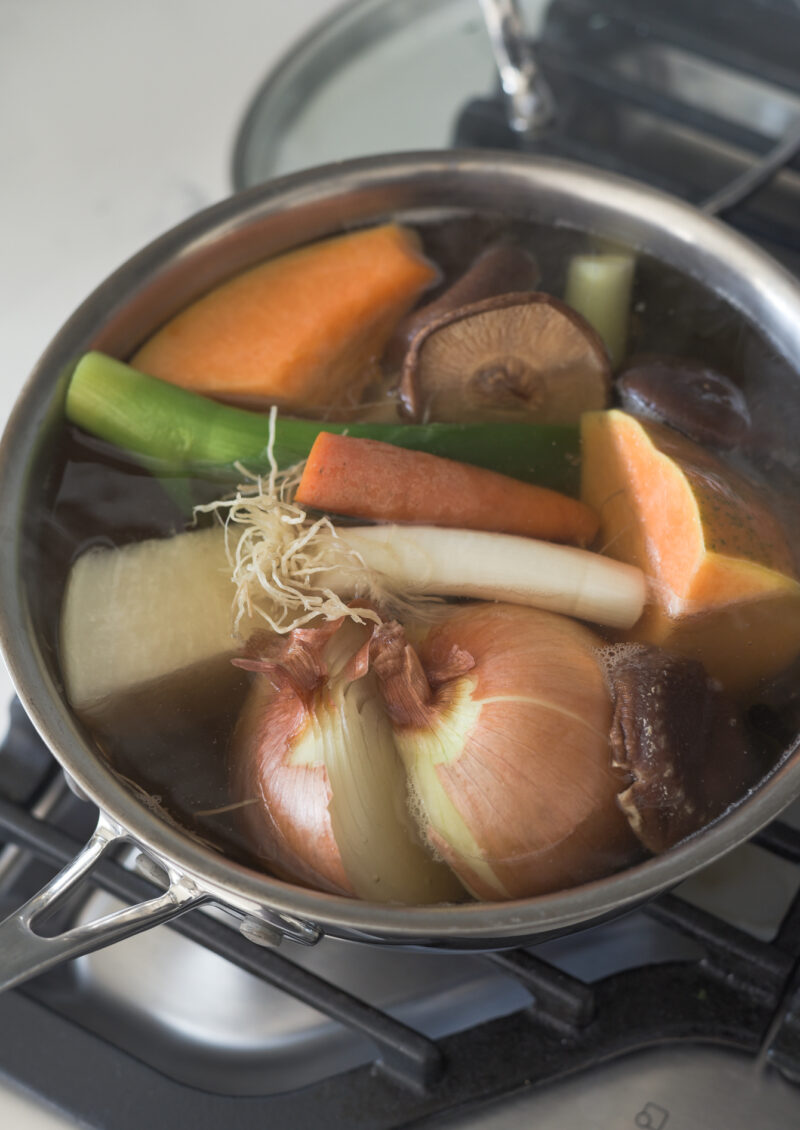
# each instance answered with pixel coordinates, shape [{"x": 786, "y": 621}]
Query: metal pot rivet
[
  {"x": 151, "y": 870},
  {"x": 260, "y": 932}
]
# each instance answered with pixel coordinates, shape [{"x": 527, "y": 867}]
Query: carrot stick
[{"x": 365, "y": 478}]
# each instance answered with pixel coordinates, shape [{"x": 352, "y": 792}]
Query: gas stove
[
  {"x": 692, "y": 1003},
  {"x": 683, "y": 1013}
]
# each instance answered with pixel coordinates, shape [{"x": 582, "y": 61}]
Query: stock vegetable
[
  {"x": 499, "y": 269},
  {"x": 181, "y": 431},
  {"x": 720, "y": 567},
  {"x": 367, "y": 479},
  {"x": 303, "y": 330},
  {"x": 681, "y": 742},
  {"x": 694, "y": 398},
  {"x": 313, "y": 752},
  {"x": 516, "y": 356},
  {"x": 599, "y": 288},
  {"x": 307, "y": 569},
  {"x": 536, "y": 756},
  {"x": 145, "y": 612},
  {"x": 422, "y": 560},
  {"x": 172, "y": 608},
  {"x": 502, "y": 716}
]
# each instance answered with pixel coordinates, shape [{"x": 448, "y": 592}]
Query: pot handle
[{"x": 24, "y": 953}]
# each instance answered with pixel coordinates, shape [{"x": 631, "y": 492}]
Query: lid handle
[{"x": 529, "y": 100}]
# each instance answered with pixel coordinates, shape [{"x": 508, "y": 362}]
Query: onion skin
[
  {"x": 314, "y": 755},
  {"x": 297, "y": 840},
  {"x": 502, "y": 718}
]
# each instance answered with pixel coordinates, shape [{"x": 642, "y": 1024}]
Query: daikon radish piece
[
  {"x": 489, "y": 566},
  {"x": 135, "y": 615},
  {"x": 304, "y": 330},
  {"x": 722, "y": 576}
]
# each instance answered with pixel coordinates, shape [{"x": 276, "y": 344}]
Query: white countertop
[{"x": 118, "y": 121}]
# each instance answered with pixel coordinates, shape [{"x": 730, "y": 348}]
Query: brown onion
[
  {"x": 502, "y": 716},
  {"x": 313, "y": 753}
]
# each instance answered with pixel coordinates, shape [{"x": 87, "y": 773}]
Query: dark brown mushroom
[
  {"x": 516, "y": 356},
  {"x": 681, "y": 740},
  {"x": 688, "y": 395},
  {"x": 499, "y": 269}
]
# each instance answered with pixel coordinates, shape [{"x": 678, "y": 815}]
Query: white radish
[{"x": 139, "y": 613}]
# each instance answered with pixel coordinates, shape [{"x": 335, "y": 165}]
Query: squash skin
[{"x": 723, "y": 583}]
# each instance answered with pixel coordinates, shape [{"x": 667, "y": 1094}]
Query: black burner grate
[{"x": 742, "y": 993}]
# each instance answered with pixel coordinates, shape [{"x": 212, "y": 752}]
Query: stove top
[{"x": 676, "y": 1001}]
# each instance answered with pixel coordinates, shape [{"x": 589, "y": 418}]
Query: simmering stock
[{"x": 521, "y": 615}]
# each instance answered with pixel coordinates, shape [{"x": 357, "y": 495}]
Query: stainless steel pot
[{"x": 125, "y": 309}]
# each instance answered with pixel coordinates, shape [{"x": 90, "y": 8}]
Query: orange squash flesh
[
  {"x": 303, "y": 330},
  {"x": 723, "y": 583}
]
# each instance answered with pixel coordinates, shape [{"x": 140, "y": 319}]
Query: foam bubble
[{"x": 611, "y": 655}]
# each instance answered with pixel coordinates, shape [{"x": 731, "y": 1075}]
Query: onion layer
[
  {"x": 502, "y": 716},
  {"x": 314, "y": 752}
]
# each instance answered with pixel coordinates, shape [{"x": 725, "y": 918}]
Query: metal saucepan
[{"x": 160, "y": 280}]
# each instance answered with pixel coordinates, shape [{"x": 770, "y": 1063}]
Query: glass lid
[
  {"x": 378, "y": 76},
  {"x": 703, "y": 107}
]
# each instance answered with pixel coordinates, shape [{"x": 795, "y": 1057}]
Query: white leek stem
[{"x": 489, "y": 566}]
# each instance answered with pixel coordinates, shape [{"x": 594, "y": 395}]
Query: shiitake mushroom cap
[
  {"x": 519, "y": 355},
  {"x": 500, "y": 268},
  {"x": 689, "y": 396},
  {"x": 682, "y": 741}
]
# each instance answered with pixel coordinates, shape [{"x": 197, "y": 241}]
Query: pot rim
[{"x": 754, "y": 280}]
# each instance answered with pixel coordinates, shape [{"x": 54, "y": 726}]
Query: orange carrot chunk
[
  {"x": 304, "y": 330},
  {"x": 365, "y": 478}
]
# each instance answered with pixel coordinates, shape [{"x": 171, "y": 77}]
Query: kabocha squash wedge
[
  {"x": 303, "y": 330},
  {"x": 723, "y": 583}
]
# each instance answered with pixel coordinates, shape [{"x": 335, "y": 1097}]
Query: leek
[{"x": 176, "y": 432}]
